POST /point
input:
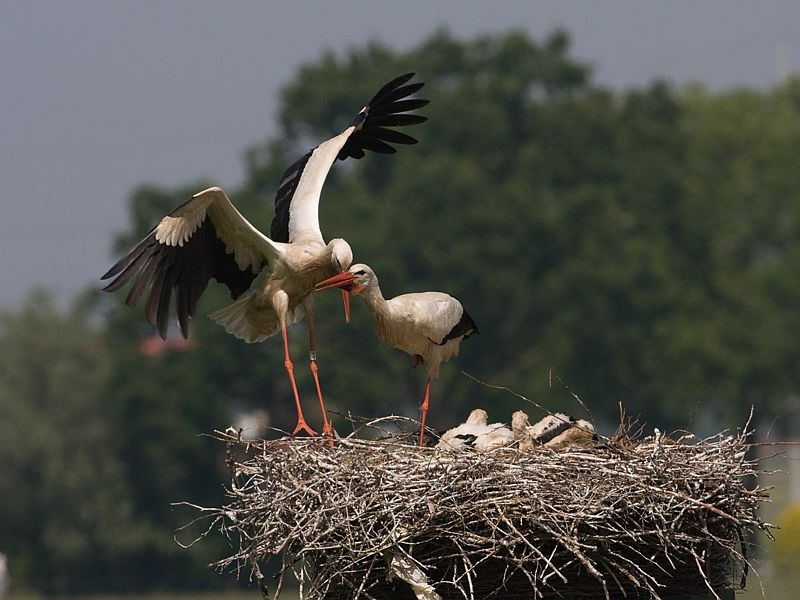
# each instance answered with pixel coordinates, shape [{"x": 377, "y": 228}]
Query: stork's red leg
[
  {"x": 424, "y": 410},
  {"x": 287, "y": 362},
  {"x": 327, "y": 430}
]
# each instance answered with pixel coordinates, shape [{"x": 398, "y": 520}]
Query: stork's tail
[{"x": 250, "y": 320}]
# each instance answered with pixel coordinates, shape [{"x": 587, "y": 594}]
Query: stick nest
[{"x": 382, "y": 518}]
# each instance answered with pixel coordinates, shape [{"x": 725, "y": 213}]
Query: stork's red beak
[
  {"x": 346, "y": 303},
  {"x": 343, "y": 280}
]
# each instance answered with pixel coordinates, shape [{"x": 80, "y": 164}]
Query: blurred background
[{"x": 612, "y": 190}]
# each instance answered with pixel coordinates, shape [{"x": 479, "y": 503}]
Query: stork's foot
[
  {"x": 303, "y": 426},
  {"x": 328, "y": 434}
]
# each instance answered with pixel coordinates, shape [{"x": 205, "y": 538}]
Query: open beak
[{"x": 344, "y": 281}]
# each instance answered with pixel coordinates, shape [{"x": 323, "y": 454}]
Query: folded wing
[{"x": 435, "y": 315}]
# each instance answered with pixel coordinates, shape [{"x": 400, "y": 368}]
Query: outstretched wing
[
  {"x": 297, "y": 199},
  {"x": 203, "y": 238}
]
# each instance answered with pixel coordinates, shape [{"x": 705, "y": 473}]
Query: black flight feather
[
  {"x": 469, "y": 439},
  {"x": 463, "y": 329},
  {"x": 560, "y": 427},
  {"x": 182, "y": 270},
  {"x": 279, "y": 230},
  {"x": 386, "y": 109}
]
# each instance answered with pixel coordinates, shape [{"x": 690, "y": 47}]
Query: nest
[{"x": 382, "y": 518}]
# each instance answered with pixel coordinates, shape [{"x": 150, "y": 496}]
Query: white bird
[
  {"x": 207, "y": 237},
  {"x": 544, "y": 430},
  {"x": 427, "y": 325},
  {"x": 581, "y": 433},
  {"x": 555, "y": 430},
  {"x": 476, "y": 433},
  {"x": 521, "y": 426}
]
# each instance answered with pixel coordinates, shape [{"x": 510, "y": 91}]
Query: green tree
[
  {"x": 417, "y": 217},
  {"x": 165, "y": 398},
  {"x": 66, "y": 517},
  {"x": 742, "y": 185}
]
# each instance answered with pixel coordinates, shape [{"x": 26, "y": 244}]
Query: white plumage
[
  {"x": 581, "y": 433},
  {"x": 520, "y": 426},
  {"x": 555, "y": 430},
  {"x": 427, "y": 325},
  {"x": 207, "y": 238},
  {"x": 476, "y": 433}
]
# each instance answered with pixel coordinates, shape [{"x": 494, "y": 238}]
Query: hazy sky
[{"x": 100, "y": 96}]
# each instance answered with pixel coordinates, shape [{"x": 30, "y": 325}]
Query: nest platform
[{"x": 381, "y": 518}]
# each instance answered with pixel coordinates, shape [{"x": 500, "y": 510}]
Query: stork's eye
[{"x": 361, "y": 272}]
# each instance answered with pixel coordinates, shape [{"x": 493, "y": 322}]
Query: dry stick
[
  {"x": 705, "y": 576},
  {"x": 525, "y": 398},
  {"x": 507, "y": 389},
  {"x": 536, "y": 551},
  {"x": 551, "y": 374}
]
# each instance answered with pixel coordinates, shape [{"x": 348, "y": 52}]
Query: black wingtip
[
  {"x": 359, "y": 119},
  {"x": 393, "y": 84},
  {"x": 463, "y": 329},
  {"x": 387, "y": 109},
  {"x": 159, "y": 271}
]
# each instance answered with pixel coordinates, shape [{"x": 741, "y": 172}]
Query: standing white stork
[
  {"x": 427, "y": 325},
  {"x": 207, "y": 237}
]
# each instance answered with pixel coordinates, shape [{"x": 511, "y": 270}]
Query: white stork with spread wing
[
  {"x": 427, "y": 325},
  {"x": 208, "y": 238}
]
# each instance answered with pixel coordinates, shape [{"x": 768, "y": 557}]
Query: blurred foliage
[
  {"x": 786, "y": 550},
  {"x": 88, "y": 474},
  {"x": 641, "y": 244}
]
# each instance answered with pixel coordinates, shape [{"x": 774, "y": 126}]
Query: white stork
[
  {"x": 207, "y": 237},
  {"x": 427, "y": 325}
]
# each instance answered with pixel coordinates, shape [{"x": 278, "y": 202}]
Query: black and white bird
[
  {"x": 555, "y": 430},
  {"x": 476, "y": 433},
  {"x": 207, "y": 238},
  {"x": 427, "y": 325},
  {"x": 581, "y": 433}
]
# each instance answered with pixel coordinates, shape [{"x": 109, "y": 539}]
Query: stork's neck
[
  {"x": 374, "y": 298},
  {"x": 379, "y": 310}
]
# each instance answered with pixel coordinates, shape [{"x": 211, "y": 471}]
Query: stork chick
[
  {"x": 555, "y": 430},
  {"x": 476, "y": 433},
  {"x": 580, "y": 434},
  {"x": 520, "y": 427}
]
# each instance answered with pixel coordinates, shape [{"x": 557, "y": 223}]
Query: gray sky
[{"x": 98, "y": 97}]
